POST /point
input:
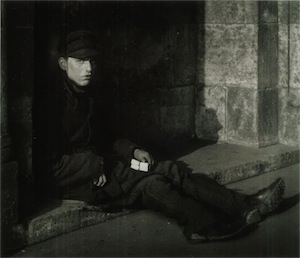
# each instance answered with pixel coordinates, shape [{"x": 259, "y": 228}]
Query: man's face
[{"x": 80, "y": 71}]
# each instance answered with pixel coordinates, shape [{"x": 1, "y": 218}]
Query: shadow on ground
[{"x": 288, "y": 203}]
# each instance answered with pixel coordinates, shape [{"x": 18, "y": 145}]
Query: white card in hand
[
  {"x": 140, "y": 166},
  {"x": 144, "y": 166},
  {"x": 135, "y": 164}
]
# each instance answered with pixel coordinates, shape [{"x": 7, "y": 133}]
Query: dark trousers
[{"x": 181, "y": 195}]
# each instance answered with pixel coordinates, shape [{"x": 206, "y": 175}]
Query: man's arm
[
  {"x": 127, "y": 150},
  {"x": 143, "y": 156}
]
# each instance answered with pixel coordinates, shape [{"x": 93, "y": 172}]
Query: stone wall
[
  {"x": 9, "y": 167},
  {"x": 154, "y": 63},
  {"x": 240, "y": 72},
  {"x": 230, "y": 73},
  {"x": 251, "y": 59},
  {"x": 289, "y": 78},
  {"x": 17, "y": 197},
  {"x": 20, "y": 78}
]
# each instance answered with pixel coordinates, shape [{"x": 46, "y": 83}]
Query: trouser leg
[
  {"x": 204, "y": 189},
  {"x": 157, "y": 194},
  {"x": 208, "y": 190}
]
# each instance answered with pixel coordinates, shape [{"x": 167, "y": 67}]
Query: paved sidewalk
[
  {"x": 150, "y": 234},
  {"x": 226, "y": 163}
]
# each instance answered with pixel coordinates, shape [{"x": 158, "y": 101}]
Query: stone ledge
[
  {"x": 228, "y": 163},
  {"x": 52, "y": 221}
]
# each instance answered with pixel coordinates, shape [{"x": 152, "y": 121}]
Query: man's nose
[{"x": 88, "y": 65}]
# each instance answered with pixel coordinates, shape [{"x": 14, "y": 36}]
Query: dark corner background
[{"x": 148, "y": 67}]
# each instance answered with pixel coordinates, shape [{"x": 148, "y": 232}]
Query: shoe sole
[
  {"x": 270, "y": 204},
  {"x": 229, "y": 235},
  {"x": 198, "y": 239}
]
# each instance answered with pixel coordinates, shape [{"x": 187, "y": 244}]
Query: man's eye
[{"x": 79, "y": 61}]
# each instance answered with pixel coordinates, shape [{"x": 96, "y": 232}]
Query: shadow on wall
[
  {"x": 209, "y": 125},
  {"x": 178, "y": 147}
]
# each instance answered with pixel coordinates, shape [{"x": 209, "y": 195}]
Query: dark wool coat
[{"x": 81, "y": 148}]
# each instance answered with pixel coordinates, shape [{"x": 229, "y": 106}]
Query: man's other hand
[
  {"x": 143, "y": 156},
  {"x": 100, "y": 181}
]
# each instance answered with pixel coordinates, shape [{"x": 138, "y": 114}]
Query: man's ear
[{"x": 62, "y": 63}]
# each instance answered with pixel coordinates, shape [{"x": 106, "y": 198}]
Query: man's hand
[
  {"x": 100, "y": 181},
  {"x": 143, "y": 156}
]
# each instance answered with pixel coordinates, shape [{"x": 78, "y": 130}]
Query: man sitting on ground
[{"x": 84, "y": 167}]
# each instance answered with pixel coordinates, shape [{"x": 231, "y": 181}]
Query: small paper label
[{"x": 140, "y": 166}]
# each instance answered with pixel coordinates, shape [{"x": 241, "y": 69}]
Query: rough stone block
[
  {"x": 46, "y": 225},
  {"x": 60, "y": 220},
  {"x": 231, "y": 12},
  {"x": 22, "y": 135},
  {"x": 165, "y": 57},
  {"x": 268, "y": 56},
  {"x": 283, "y": 59},
  {"x": 210, "y": 117},
  {"x": 284, "y": 159},
  {"x": 142, "y": 122},
  {"x": 200, "y": 75},
  {"x": 289, "y": 12},
  {"x": 9, "y": 217},
  {"x": 294, "y": 56},
  {"x": 231, "y": 55},
  {"x": 185, "y": 55},
  {"x": 242, "y": 121},
  {"x": 4, "y": 86},
  {"x": 289, "y": 116},
  {"x": 176, "y": 121},
  {"x": 6, "y": 148},
  {"x": 9, "y": 172},
  {"x": 184, "y": 71},
  {"x": 177, "y": 96},
  {"x": 23, "y": 11},
  {"x": 21, "y": 108},
  {"x": 294, "y": 12},
  {"x": 149, "y": 128},
  {"x": 268, "y": 117},
  {"x": 267, "y": 11},
  {"x": 228, "y": 163},
  {"x": 283, "y": 12},
  {"x": 9, "y": 193},
  {"x": 21, "y": 63}
]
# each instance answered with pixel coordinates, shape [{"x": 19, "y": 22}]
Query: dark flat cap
[{"x": 79, "y": 44}]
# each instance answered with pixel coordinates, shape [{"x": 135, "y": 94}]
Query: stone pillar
[
  {"x": 267, "y": 73},
  {"x": 289, "y": 76},
  {"x": 20, "y": 80},
  {"x": 9, "y": 168},
  {"x": 16, "y": 123},
  {"x": 240, "y": 73}
]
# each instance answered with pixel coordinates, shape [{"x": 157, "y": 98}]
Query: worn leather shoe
[{"x": 264, "y": 201}]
